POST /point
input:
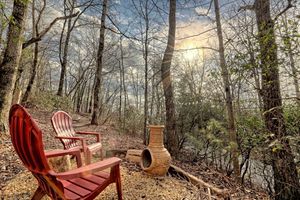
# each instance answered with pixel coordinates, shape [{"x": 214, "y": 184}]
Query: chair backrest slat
[
  {"x": 27, "y": 140},
  {"x": 62, "y": 124}
]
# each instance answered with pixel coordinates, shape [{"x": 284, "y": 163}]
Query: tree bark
[
  {"x": 172, "y": 139},
  {"x": 99, "y": 66},
  {"x": 11, "y": 59},
  {"x": 286, "y": 182},
  {"x": 228, "y": 96}
]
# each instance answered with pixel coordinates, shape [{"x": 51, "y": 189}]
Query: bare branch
[
  {"x": 290, "y": 5},
  {"x": 209, "y": 48},
  {"x": 246, "y": 7},
  {"x": 208, "y": 10},
  {"x": 46, "y": 30},
  {"x": 119, "y": 31},
  {"x": 206, "y": 31}
]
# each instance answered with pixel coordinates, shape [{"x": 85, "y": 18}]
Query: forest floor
[{"x": 17, "y": 183}]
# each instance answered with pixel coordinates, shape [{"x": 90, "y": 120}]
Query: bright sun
[{"x": 190, "y": 51}]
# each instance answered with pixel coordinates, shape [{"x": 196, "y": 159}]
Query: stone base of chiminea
[{"x": 156, "y": 159}]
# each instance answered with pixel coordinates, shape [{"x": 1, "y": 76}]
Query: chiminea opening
[{"x": 146, "y": 158}]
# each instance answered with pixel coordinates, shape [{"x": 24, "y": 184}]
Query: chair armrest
[
  {"x": 70, "y": 138},
  {"x": 88, "y": 169},
  {"x": 98, "y": 135},
  {"x": 59, "y": 152},
  {"x": 82, "y": 140}
]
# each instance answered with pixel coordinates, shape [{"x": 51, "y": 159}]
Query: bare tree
[
  {"x": 35, "y": 39},
  {"x": 227, "y": 89},
  {"x": 146, "y": 55},
  {"x": 99, "y": 65},
  {"x": 172, "y": 139},
  {"x": 35, "y": 33},
  {"x": 68, "y": 27}
]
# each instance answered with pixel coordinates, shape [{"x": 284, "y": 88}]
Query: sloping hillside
[{"x": 17, "y": 182}]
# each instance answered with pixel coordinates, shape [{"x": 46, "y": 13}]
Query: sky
[{"x": 123, "y": 13}]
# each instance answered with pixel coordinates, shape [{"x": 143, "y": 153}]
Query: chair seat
[{"x": 79, "y": 188}]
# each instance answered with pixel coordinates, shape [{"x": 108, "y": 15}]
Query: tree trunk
[
  {"x": 64, "y": 59},
  {"x": 146, "y": 74},
  {"x": 152, "y": 98},
  {"x": 11, "y": 59},
  {"x": 98, "y": 76},
  {"x": 228, "y": 96},
  {"x": 33, "y": 73},
  {"x": 64, "y": 63},
  {"x": 123, "y": 84},
  {"x": 89, "y": 97},
  {"x": 120, "y": 94},
  {"x": 286, "y": 182},
  {"x": 257, "y": 81},
  {"x": 172, "y": 139}
]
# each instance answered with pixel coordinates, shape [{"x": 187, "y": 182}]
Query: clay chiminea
[{"x": 155, "y": 158}]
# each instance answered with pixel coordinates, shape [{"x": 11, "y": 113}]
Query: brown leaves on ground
[
  {"x": 135, "y": 185},
  {"x": 17, "y": 183}
]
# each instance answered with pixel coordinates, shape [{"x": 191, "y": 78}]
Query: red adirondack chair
[
  {"x": 81, "y": 183},
  {"x": 62, "y": 124}
]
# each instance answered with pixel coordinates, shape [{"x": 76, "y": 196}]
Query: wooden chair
[
  {"x": 81, "y": 183},
  {"x": 62, "y": 124}
]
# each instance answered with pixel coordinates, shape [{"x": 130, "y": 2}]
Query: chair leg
[
  {"x": 101, "y": 154},
  {"x": 38, "y": 194},
  {"x": 88, "y": 157},
  {"x": 118, "y": 182}
]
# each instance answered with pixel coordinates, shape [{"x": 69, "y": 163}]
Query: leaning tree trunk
[
  {"x": 11, "y": 59},
  {"x": 286, "y": 182},
  {"x": 32, "y": 75},
  {"x": 172, "y": 139},
  {"x": 228, "y": 96},
  {"x": 99, "y": 66}
]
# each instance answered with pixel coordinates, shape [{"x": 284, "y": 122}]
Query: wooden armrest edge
[
  {"x": 61, "y": 152},
  {"x": 87, "y": 133},
  {"x": 88, "y": 169},
  {"x": 70, "y": 138}
]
